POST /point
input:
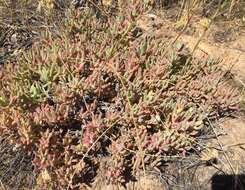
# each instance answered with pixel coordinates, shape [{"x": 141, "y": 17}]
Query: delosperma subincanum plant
[{"x": 96, "y": 90}]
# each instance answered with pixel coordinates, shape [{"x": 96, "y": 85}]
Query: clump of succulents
[{"x": 96, "y": 90}]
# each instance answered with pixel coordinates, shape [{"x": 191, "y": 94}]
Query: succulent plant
[{"x": 94, "y": 90}]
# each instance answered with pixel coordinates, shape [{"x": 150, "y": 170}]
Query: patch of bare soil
[
  {"x": 227, "y": 172},
  {"x": 232, "y": 54},
  {"x": 233, "y": 144}
]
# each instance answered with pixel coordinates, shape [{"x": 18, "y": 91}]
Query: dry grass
[{"x": 15, "y": 167}]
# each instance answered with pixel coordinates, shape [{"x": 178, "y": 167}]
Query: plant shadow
[{"x": 228, "y": 182}]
